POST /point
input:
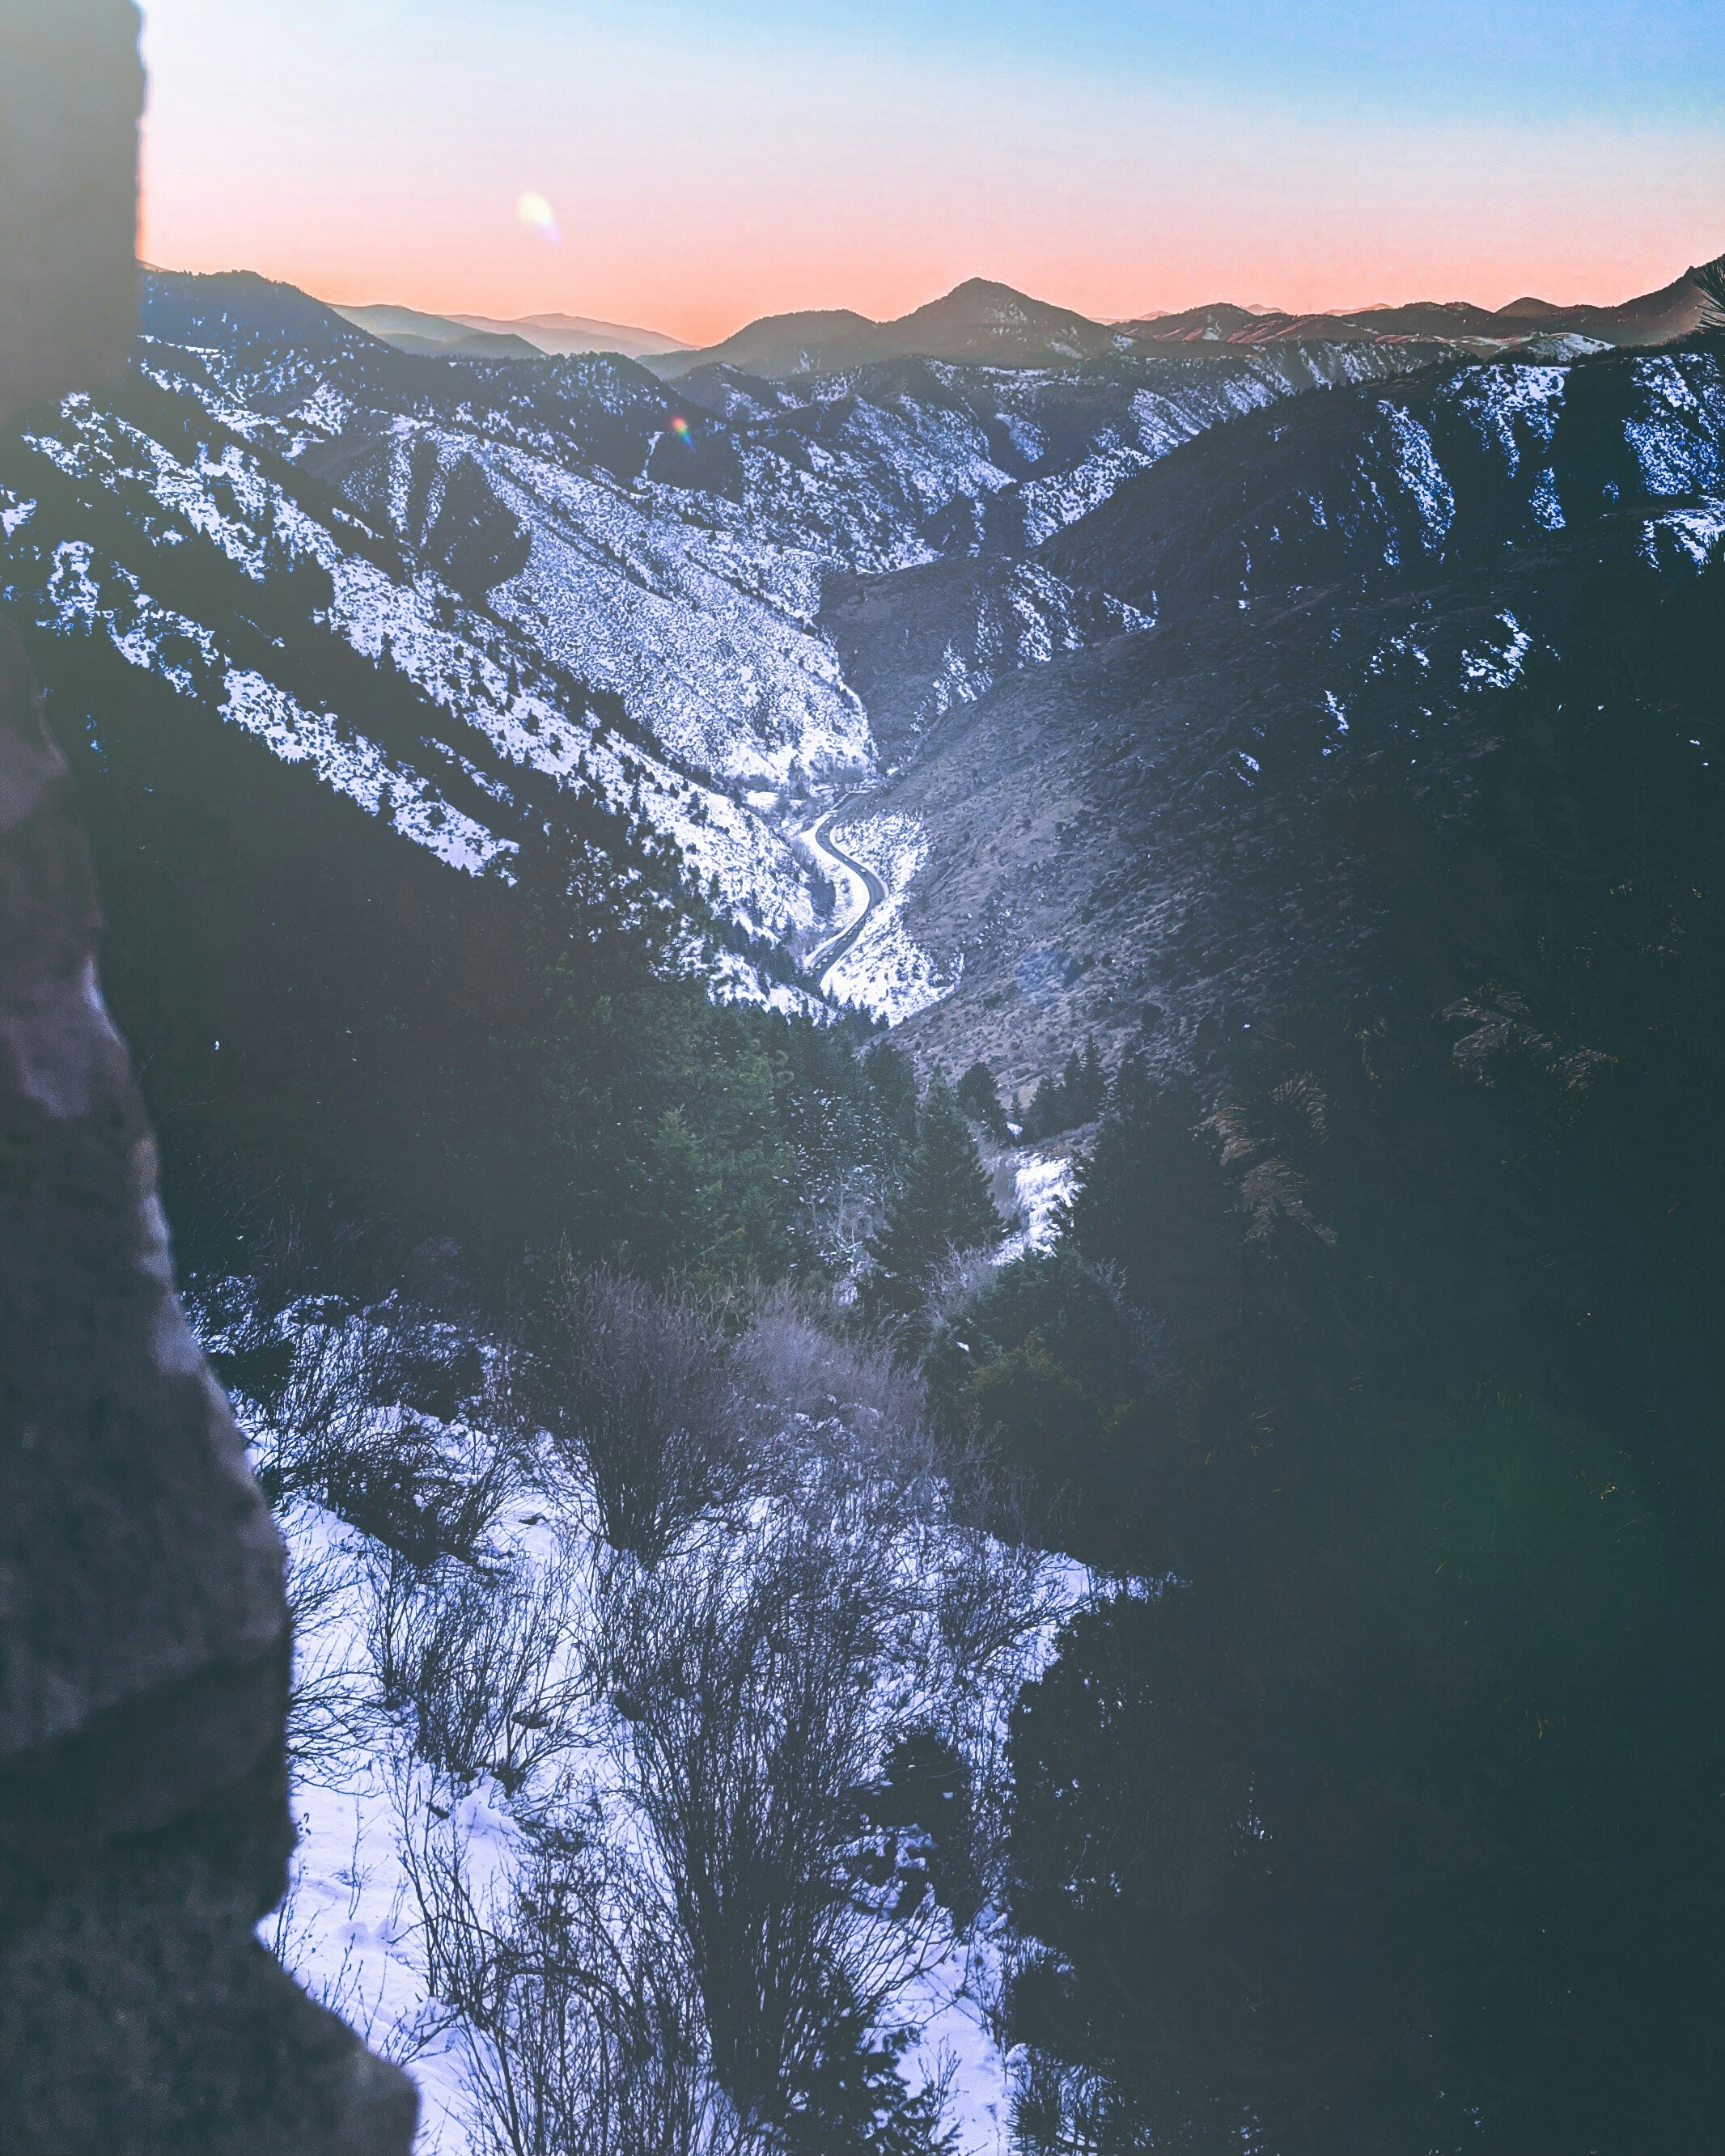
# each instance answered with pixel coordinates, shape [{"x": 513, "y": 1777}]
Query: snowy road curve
[{"x": 874, "y": 890}]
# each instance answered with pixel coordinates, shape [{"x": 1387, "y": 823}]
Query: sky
[{"x": 688, "y": 167}]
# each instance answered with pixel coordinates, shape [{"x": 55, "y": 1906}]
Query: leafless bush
[
  {"x": 584, "y": 2033},
  {"x": 791, "y": 1361},
  {"x": 334, "y": 1428},
  {"x": 328, "y": 1704},
  {"x": 476, "y": 1656},
  {"x": 992, "y": 1599},
  {"x": 352, "y": 1992},
  {"x": 398, "y": 1483},
  {"x": 824, "y": 1393},
  {"x": 748, "y": 1680},
  {"x": 636, "y": 1394},
  {"x": 331, "y": 1380},
  {"x": 959, "y": 1282}
]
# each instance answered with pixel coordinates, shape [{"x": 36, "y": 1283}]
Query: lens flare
[
  {"x": 680, "y": 427},
  {"x": 538, "y": 215}
]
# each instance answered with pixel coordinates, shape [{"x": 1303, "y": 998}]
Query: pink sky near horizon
[{"x": 695, "y": 194}]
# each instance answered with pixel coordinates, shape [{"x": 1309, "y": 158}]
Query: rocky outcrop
[
  {"x": 70, "y": 91},
  {"x": 144, "y": 1648}
]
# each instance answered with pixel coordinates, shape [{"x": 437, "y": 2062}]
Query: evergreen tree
[
  {"x": 941, "y": 1207},
  {"x": 893, "y": 1086},
  {"x": 1711, "y": 279},
  {"x": 1076, "y": 1097},
  {"x": 1087, "y": 1090},
  {"x": 1151, "y": 1204},
  {"x": 980, "y": 1097},
  {"x": 1071, "y": 1082},
  {"x": 1047, "y": 1111}
]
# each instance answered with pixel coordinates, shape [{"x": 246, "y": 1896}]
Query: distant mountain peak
[{"x": 1527, "y": 308}]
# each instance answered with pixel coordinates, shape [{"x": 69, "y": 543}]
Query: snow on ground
[
  {"x": 674, "y": 619},
  {"x": 731, "y": 979},
  {"x": 464, "y": 664},
  {"x": 1691, "y": 536},
  {"x": 1675, "y": 439},
  {"x": 1486, "y": 666},
  {"x": 884, "y": 970},
  {"x": 851, "y": 892},
  {"x": 1419, "y": 473},
  {"x": 352, "y": 1927},
  {"x": 1512, "y": 408},
  {"x": 349, "y": 1925},
  {"x": 1043, "y": 1180}
]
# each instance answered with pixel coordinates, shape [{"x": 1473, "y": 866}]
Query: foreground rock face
[
  {"x": 144, "y": 1826},
  {"x": 70, "y": 91}
]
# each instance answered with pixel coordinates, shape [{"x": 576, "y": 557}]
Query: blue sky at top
[{"x": 1620, "y": 60}]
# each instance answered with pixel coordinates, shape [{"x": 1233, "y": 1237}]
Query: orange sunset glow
[{"x": 691, "y": 182}]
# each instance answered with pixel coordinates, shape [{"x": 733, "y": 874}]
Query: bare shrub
[
  {"x": 334, "y": 1377},
  {"x": 335, "y": 1428},
  {"x": 636, "y": 1392},
  {"x": 329, "y": 1710},
  {"x": 993, "y": 1599},
  {"x": 748, "y": 1681},
  {"x": 792, "y": 1363},
  {"x": 397, "y": 1483},
  {"x": 352, "y": 1992},
  {"x": 476, "y": 1656},
  {"x": 584, "y": 2035}
]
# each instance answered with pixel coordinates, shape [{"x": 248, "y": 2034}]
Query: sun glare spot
[{"x": 537, "y": 214}]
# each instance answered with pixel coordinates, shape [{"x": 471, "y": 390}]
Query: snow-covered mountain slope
[
  {"x": 1157, "y": 836},
  {"x": 213, "y": 566},
  {"x": 1453, "y": 465},
  {"x": 471, "y": 595},
  {"x": 676, "y": 546}
]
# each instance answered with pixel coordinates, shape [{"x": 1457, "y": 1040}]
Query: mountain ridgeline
[{"x": 1282, "y": 756}]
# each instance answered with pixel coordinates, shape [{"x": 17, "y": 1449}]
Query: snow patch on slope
[
  {"x": 1044, "y": 1181},
  {"x": 183, "y": 655}
]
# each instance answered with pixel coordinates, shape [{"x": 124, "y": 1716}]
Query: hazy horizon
[
  {"x": 694, "y": 169},
  {"x": 460, "y": 311}
]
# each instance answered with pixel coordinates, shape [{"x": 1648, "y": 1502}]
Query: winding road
[{"x": 874, "y": 889}]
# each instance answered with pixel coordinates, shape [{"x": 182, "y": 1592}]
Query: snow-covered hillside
[
  {"x": 470, "y": 596},
  {"x": 326, "y": 589},
  {"x": 478, "y": 1728}
]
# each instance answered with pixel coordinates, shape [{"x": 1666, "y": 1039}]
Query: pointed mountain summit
[{"x": 981, "y": 319}]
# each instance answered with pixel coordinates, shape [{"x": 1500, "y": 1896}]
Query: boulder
[{"x": 144, "y": 1641}]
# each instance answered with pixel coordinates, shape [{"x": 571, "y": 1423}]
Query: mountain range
[
  {"x": 999, "y": 568},
  {"x": 981, "y": 322},
  {"x": 480, "y": 336}
]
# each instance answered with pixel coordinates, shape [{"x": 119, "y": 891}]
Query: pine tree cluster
[{"x": 1067, "y": 1102}]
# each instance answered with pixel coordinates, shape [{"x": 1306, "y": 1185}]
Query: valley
[
  {"x": 698, "y": 615},
  {"x": 943, "y": 1095}
]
